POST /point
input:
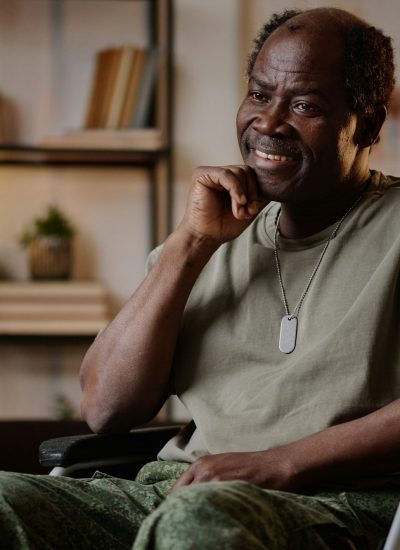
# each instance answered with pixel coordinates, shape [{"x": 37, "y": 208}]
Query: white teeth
[{"x": 271, "y": 157}]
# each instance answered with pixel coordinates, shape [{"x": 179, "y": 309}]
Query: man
[{"x": 272, "y": 312}]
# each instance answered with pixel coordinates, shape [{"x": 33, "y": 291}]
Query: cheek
[
  {"x": 346, "y": 141},
  {"x": 242, "y": 123},
  {"x": 346, "y": 145},
  {"x": 321, "y": 141},
  {"x": 347, "y": 153},
  {"x": 241, "y": 118}
]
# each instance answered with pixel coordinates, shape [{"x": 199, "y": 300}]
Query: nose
[{"x": 272, "y": 120}]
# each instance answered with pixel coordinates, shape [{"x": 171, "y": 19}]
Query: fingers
[
  {"x": 186, "y": 479},
  {"x": 204, "y": 469},
  {"x": 241, "y": 184},
  {"x": 255, "y": 203},
  {"x": 239, "y": 177},
  {"x": 228, "y": 179}
]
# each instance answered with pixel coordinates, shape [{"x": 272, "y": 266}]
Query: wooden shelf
[
  {"x": 156, "y": 158},
  {"x": 51, "y": 328},
  {"x": 27, "y": 154}
]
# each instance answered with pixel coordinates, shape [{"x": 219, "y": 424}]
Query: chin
[
  {"x": 291, "y": 185},
  {"x": 276, "y": 189}
]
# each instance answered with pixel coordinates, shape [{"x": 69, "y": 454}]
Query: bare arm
[
  {"x": 125, "y": 373},
  {"x": 366, "y": 447}
]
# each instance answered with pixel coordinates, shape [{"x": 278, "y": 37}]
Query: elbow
[
  {"x": 101, "y": 415},
  {"x": 96, "y": 404},
  {"x": 95, "y": 418},
  {"x": 96, "y": 409},
  {"x": 109, "y": 416},
  {"x": 109, "y": 407}
]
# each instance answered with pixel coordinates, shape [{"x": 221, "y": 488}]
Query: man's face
[{"x": 295, "y": 128}]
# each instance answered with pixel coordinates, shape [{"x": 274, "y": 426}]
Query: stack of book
[
  {"x": 119, "y": 109},
  {"x": 122, "y": 88},
  {"x": 53, "y": 308}
]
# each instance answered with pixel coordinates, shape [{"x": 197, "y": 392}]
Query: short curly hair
[{"x": 368, "y": 64}]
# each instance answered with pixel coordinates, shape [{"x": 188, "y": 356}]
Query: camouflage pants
[{"x": 44, "y": 513}]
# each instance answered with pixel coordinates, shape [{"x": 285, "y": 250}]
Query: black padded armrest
[{"x": 141, "y": 443}]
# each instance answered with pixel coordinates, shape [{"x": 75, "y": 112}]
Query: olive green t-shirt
[{"x": 243, "y": 393}]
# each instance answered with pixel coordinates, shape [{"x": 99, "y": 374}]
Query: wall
[{"x": 108, "y": 206}]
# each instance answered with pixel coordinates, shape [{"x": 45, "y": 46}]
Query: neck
[{"x": 299, "y": 220}]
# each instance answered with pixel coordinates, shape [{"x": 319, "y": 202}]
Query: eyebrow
[{"x": 293, "y": 91}]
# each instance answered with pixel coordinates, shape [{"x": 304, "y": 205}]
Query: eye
[
  {"x": 257, "y": 96},
  {"x": 305, "y": 108}
]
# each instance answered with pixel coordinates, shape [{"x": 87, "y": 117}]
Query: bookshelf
[
  {"x": 48, "y": 50},
  {"x": 38, "y": 143}
]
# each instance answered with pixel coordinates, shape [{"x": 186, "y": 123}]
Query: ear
[{"x": 370, "y": 126}]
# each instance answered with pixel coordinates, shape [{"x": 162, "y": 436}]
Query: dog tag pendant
[{"x": 288, "y": 334}]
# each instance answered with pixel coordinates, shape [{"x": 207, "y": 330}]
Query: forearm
[
  {"x": 368, "y": 446},
  {"x": 125, "y": 373}
]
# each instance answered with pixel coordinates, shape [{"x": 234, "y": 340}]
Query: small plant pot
[{"x": 50, "y": 257}]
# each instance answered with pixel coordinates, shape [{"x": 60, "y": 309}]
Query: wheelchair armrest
[{"x": 137, "y": 447}]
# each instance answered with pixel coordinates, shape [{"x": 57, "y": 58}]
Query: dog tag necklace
[{"x": 289, "y": 322}]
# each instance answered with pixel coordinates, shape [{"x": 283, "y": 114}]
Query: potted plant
[{"x": 49, "y": 243}]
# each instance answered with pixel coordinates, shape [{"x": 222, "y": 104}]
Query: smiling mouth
[{"x": 270, "y": 156}]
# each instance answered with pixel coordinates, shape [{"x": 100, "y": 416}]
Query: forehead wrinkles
[
  {"x": 307, "y": 51},
  {"x": 269, "y": 74},
  {"x": 282, "y": 58},
  {"x": 270, "y": 69}
]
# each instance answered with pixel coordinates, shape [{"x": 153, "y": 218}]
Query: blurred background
[{"x": 47, "y": 64}]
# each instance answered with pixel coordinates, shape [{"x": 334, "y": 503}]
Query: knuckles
[
  {"x": 204, "y": 469},
  {"x": 227, "y": 171}
]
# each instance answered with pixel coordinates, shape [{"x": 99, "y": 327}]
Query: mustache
[{"x": 273, "y": 146}]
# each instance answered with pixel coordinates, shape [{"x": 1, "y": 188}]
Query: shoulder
[
  {"x": 383, "y": 196},
  {"x": 382, "y": 184}
]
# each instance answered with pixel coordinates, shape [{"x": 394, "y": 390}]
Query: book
[
  {"x": 111, "y": 61},
  {"x": 120, "y": 85},
  {"x": 8, "y": 126},
  {"x": 145, "y": 139},
  {"x": 101, "y": 89},
  {"x": 137, "y": 65},
  {"x": 95, "y": 93},
  {"x": 142, "y": 111},
  {"x": 122, "y": 89}
]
